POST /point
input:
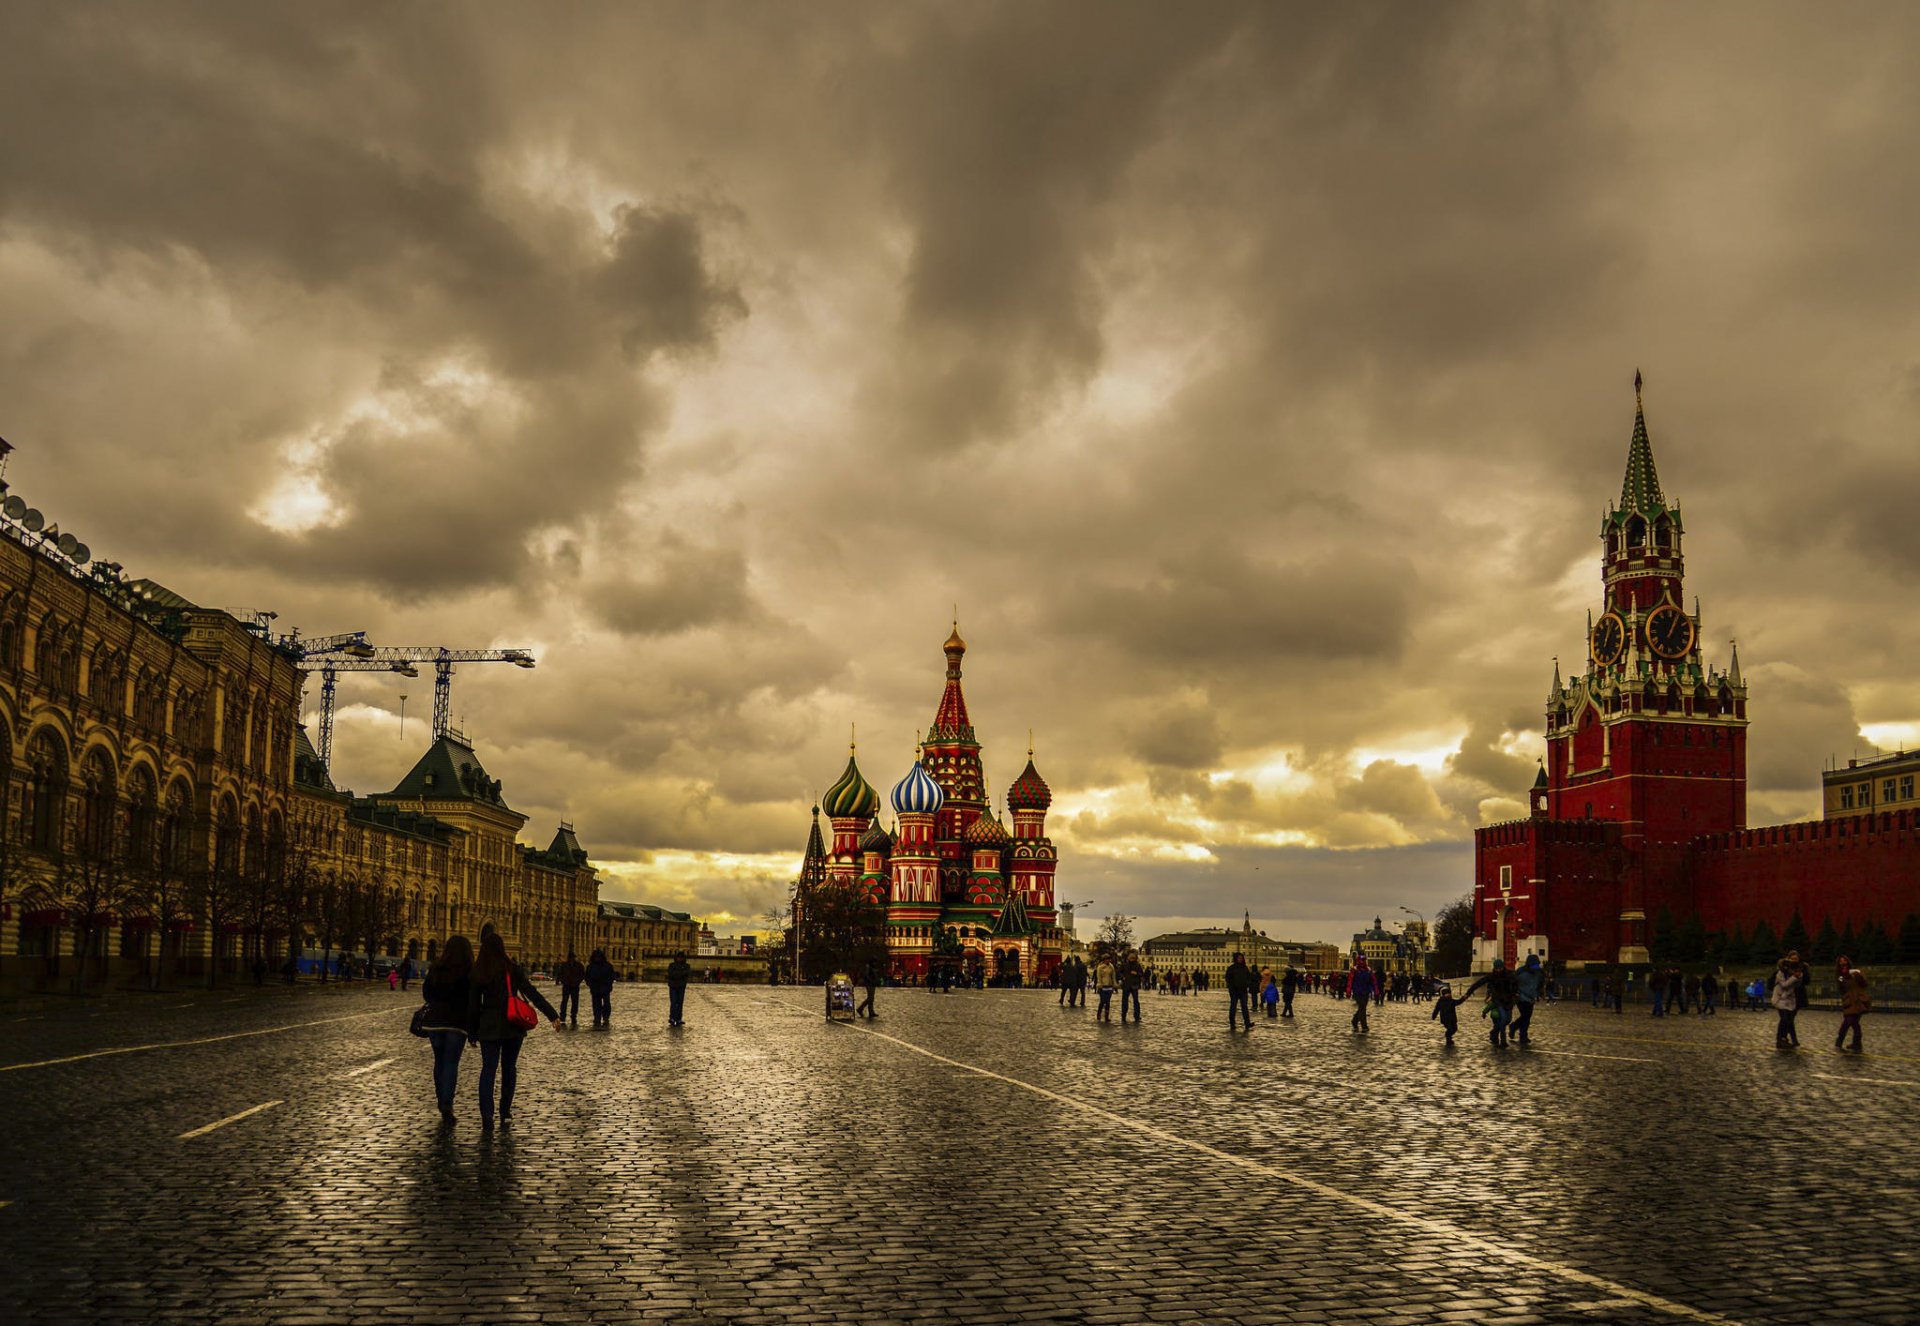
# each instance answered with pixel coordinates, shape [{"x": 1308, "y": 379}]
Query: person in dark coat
[
  {"x": 570, "y": 975},
  {"x": 494, "y": 977},
  {"x": 1240, "y": 983},
  {"x": 1289, "y": 986},
  {"x": 445, "y": 991},
  {"x": 1132, "y": 974},
  {"x": 1446, "y": 1011},
  {"x": 678, "y": 973},
  {"x": 1501, "y": 994},
  {"x": 870, "y": 982},
  {"x": 1362, "y": 985},
  {"x": 600, "y": 978}
]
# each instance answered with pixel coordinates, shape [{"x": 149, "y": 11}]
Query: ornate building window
[
  {"x": 176, "y": 827},
  {"x": 99, "y": 800},
  {"x": 141, "y": 815},
  {"x": 45, "y": 810}
]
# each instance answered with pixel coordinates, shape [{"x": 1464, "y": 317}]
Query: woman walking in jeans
[
  {"x": 494, "y": 974},
  {"x": 445, "y": 991},
  {"x": 1786, "y": 1001}
]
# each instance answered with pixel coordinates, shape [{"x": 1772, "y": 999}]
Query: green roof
[
  {"x": 449, "y": 771},
  {"x": 1014, "y": 920}
]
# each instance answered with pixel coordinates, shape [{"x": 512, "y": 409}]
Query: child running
[{"x": 1446, "y": 1009}]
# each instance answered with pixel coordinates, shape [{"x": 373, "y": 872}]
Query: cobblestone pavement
[{"x": 977, "y": 1157}]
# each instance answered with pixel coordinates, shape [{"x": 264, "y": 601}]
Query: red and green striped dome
[
  {"x": 1029, "y": 790},
  {"x": 852, "y": 798}
]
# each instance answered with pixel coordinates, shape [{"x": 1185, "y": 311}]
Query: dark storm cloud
[
  {"x": 682, "y": 587},
  {"x": 1253, "y": 377},
  {"x": 1008, "y": 132},
  {"x": 657, "y": 285},
  {"x": 1220, "y": 604}
]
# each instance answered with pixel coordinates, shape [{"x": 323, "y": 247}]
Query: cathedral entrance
[{"x": 1006, "y": 966}]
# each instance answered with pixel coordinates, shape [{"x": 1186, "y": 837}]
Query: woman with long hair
[
  {"x": 497, "y": 978},
  {"x": 446, "y": 991}
]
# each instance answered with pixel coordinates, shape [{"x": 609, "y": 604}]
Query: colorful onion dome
[
  {"x": 987, "y": 831},
  {"x": 1029, "y": 790},
  {"x": 917, "y": 793},
  {"x": 852, "y": 798},
  {"x": 876, "y": 839}
]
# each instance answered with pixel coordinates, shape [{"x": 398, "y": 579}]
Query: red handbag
[{"x": 519, "y": 1012}]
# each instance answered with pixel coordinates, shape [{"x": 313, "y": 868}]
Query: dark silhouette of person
[
  {"x": 570, "y": 975},
  {"x": 1240, "y": 983},
  {"x": 600, "y": 977},
  {"x": 678, "y": 973}
]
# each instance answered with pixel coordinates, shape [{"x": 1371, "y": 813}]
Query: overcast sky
[{"x": 1252, "y": 380}]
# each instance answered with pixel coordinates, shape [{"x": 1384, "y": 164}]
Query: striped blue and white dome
[{"x": 917, "y": 793}]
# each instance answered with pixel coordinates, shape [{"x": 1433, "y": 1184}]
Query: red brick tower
[
  {"x": 951, "y": 754},
  {"x": 1649, "y": 736}
]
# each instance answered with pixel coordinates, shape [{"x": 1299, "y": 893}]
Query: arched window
[
  {"x": 12, "y": 628},
  {"x": 276, "y": 844},
  {"x": 256, "y": 858},
  {"x": 1663, "y": 534},
  {"x": 99, "y": 799},
  {"x": 226, "y": 838},
  {"x": 176, "y": 827},
  {"x": 46, "y": 790},
  {"x": 46, "y": 651},
  {"x": 1636, "y": 533},
  {"x": 142, "y": 813}
]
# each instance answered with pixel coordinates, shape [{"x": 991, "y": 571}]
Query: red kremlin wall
[{"x": 1860, "y": 869}]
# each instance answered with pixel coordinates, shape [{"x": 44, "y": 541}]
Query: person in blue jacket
[
  {"x": 1361, "y": 985},
  {"x": 1527, "y": 984}
]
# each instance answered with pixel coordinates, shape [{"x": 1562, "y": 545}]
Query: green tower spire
[{"x": 1640, "y": 490}]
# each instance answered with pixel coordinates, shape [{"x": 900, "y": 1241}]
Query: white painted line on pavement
[
  {"x": 204, "y": 1040},
  {"x": 1575, "y": 1054},
  {"x": 1497, "y": 1251},
  {"x": 236, "y": 999},
  {"x": 1877, "y": 1081},
  {"x": 368, "y": 1068},
  {"x": 231, "y": 1118}
]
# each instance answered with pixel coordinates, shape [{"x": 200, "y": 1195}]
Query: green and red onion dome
[
  {"x": 876, "y": 839},
  {"x": 988, "y": 831},
  {"x": 852, "y": 798},
  {"x": 1029, "y": 790}
]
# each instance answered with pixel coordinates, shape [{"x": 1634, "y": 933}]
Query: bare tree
[
  {"x": 328, "y": 908},
  {"x": 381, "y": 913},
  {"x": 161, "y": 885},
  {"x": 95, "y": 884},
  {"x": 1114, "y": 940}
]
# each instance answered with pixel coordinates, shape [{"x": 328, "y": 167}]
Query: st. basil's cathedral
[{"x": 950, "y": 865}]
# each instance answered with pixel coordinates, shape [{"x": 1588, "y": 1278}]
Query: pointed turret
[
  {"x": 950, "y": 721},
  {"x": 1640, "y": 489},
  {"x": 813, "y": 866},
  {"x": 1733, "y": 667}
]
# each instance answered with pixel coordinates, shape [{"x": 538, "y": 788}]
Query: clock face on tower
[
  {"x": 1669, "y": 632},
  {"x": 1609, "y": 639}
]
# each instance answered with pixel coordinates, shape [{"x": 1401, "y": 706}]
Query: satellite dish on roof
[
  {"x": 81, "y": 553},
  {"x": 33, "y": 520},
  {"x": 66, "y": 543},
  {"x": 16, "y": 507}
]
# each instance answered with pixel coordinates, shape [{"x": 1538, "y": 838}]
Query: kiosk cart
[{"x": 839, "y": 997}]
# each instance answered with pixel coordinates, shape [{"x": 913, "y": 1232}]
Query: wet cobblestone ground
[{"x": 979, "y": 1157}]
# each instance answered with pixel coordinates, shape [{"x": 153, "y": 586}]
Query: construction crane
[
  {"x": 330, "y": 667},
  {"x": 401, "y": 659}
]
